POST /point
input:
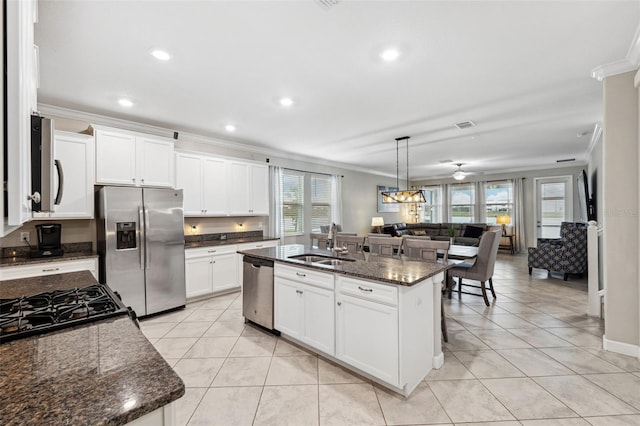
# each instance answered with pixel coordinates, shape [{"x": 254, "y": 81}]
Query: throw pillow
[
  {"x": 421, "y": 233},
  {"x": 473, "y": 231}
]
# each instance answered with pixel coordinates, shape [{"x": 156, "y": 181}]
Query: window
[
  {"x": 320, "y": 201},
  {"x": 462, "y": 201},
  {"x": 433, "y": 204},
  {"x": 498, "y": 200},
  {"x": 292, "y": 190}
]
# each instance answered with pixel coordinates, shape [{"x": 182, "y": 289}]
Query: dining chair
[
  {"x": 353, "y": 243},
  {"x": 385, "y": 246},
  {"x": 482, "y": 269},
  {"x": 427, "y": 250},
  {"x": 321, "y": 240}
]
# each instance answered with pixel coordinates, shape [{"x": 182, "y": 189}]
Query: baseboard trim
[
  {"x": 438, "y": 361},
  {"x": 621, "y": 348}
]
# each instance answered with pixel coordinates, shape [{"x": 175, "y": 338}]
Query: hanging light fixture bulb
[
  {"x": 407, "y": 195},
  {"x": 459, "y": 174}
]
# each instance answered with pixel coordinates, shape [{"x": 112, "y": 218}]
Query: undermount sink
[
  {"x": 320, "y": 260},
  {"x": 332, "y": 262}
]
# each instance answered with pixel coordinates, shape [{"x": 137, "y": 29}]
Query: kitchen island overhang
[{"x": 376, "y": 315}]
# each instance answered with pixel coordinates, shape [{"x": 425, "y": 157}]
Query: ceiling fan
[{"x": 459, "y": 174}]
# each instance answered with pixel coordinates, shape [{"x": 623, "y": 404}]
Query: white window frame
[
  {"x": 301, "y": 205},
  {"x": 509, "y": 204},
  {"x": 472, "y": 205}
]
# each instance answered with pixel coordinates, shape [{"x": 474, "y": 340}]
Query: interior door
[{"x": 554, "y": 205}]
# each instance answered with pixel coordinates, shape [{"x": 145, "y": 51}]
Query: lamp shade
[
  {"x": 503, "y": 220},
  {"x": 377, "y": 221}
]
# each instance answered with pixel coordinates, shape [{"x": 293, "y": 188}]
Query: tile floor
[{"x": 532, "y": 358}]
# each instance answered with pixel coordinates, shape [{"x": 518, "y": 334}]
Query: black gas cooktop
[{"x": 45, "y": 312}]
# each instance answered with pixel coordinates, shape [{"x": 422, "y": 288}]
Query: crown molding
[
  {"x": 102, "y": 120},
  {"x": 630, "y": 63},
  {"x": 595, "y": 137}
]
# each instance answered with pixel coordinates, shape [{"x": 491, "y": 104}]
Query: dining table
[{"x": 456, "y": 254}]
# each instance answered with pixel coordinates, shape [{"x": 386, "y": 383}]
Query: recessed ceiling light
[
  {"x": 160, "y": 55},
  {"x": 390, "y": 55},
  {"x": 286, "y": 102},
  {"x": 125, "y": 102},
  {"x": 230, "y": 128}
]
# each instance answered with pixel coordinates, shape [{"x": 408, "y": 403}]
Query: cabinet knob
[
  {"x": 339, "y": 303},
  {"x": 133, "y": 179},
  {"x": 299, "y": 291},
  {"x": 301, "y": 275},
  {"x": 142, "y": 180}
]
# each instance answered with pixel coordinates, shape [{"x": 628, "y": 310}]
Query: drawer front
[
  {"x": 258, "y": 245},
  {"x": 49, "y": 268},
  {"x": 307, "y": 276},
  {"x": 368, "y": 290},
  {"x": 209, "y": 251}
]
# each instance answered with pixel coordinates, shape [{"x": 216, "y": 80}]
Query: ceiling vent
[
  {"x": 327, "y": 4},
  {"x": 465, "y": 124}
]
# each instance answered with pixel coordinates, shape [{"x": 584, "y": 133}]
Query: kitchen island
[
  {"x": 376, "y": 315},
  {"x": 100, "y": 373}
]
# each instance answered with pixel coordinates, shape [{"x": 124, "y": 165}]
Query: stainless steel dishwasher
[{"x": 257, "y": 291}]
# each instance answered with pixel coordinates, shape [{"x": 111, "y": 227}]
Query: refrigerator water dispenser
[{"x": 125, "y": 235}]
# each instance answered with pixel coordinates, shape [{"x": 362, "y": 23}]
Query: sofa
[{"x": 464, "y": 233}]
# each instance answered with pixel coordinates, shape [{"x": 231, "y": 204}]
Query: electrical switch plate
[
  {"x": 223, "y": 236},
  {"x": 24, "y": 236}
]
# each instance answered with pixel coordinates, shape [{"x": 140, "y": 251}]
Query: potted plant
[{"x": 452, "y": 234}]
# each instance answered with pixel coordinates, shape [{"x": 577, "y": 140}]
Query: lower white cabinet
[
  {"x": 49, "y": 268},
  {"x": 210, "y": 270}
]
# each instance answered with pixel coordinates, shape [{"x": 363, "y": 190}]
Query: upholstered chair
[
  {"x": 353, "y": 243},
  {"x": 567, "y": 255},
  {"x": 319, "y": 240},
  {"x": 385, "y": 246}
]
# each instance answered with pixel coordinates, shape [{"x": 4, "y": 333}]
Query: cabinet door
[
  {"x": 154, "y": 162},
  {"x": 189, "y": 179},
  {"x": 198, "y": 274},
  {"x": 367, "y": 336},
  {"x": 259, "y": 190},
  {"x": 225, "y": 271},
  {"x": 214, "y": 196},
  {"x": 76, "y": 157},
  {"x": 115, "y": 158},
  {"x": 318, "y": 319},
  {"x": 240, "y": 191},
  {"x": 287, "y": 308}
]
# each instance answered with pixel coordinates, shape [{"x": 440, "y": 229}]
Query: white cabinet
[
  {"x": 211, "y": 270},
  {"x": 49, "y": 268},
  {"x": 304, "y": 306},
  {"x": 249, "y": 185},
  {"x": 124, "y": 158},
  {"x": 75, "y": 153},
  {"x": 214, "y": 187},
  {"x": 189, "y": 179}
]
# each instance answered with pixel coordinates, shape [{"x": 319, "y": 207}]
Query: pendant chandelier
[{"x": 406, "y": 195}]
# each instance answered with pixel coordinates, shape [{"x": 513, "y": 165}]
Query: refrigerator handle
[
  {"x": 141, "y": 237},
  {"x": 146, "y": 238}
]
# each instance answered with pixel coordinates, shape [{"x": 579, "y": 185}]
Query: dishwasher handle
[{"x": 257, "y": 262}]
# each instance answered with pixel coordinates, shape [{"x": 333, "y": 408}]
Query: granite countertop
[
  {"x": 230, "y": 241},
  {"x": 102, "y": 373},
  {"x": 398, "y": 271},
  {"x": 24, "y": 260}
]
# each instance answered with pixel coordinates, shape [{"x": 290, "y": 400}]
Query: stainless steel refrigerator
[{"x": 141, "y": 246}]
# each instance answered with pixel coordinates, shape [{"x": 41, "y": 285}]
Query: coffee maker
[{"x": 48, "y": 240}]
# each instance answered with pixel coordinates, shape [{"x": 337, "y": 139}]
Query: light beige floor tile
[
  {"x": 172, "y": 361},
  {"x": 452, "y": 369},
  {"x": 500, "y": 339},
  {"x": 629, "y": 420},
  {"x": 198, "y": 372},
  {"x": 211, "y": 347},
  {"x": 464, "y": 341},
  {"x": 231, "y": 314},
  {"x": 487, "y": 311},
  {"x": 293, "y": 370},
  {"x": 540, "y": 338},
  {"x": 288, "y": 405},
  {"x": 475, "y": 320},
  {"x": 556, "y": 422},
  {"x": 189, "y": 329},
  {"x": 227, "y": 406},
  {"x": 505, "y": 423},
  {"x": 532, "y": 362},
  {"x": 225, "y": 329},
  {"x": 580, "y": 361},
  {"x": 284, "y": 348},
  {"x": 253, "y": 346},
  {"x": 543, "y": 320},
  {"x": 330, "y": 373},
  {"x": 156, "y": 330},
  {"x": 185, "y": 406},
  {"x": 453, "y": 307},
  {"x": 174, "y": 348},
  {"x": 583, "y": 397},
  {"x": 242, "y": 372},
  {"x": 221, "y": 302},
  {"x": 204, "y": 315},
  {"x": 511, "y": 321},
  {"x": 421, "y": 407},
  {"x": 349, "y": 404},
  {"x": 175, "y": 316},
  {"x": 517, "y": 308},
  {"x": 577, "y": 336},
  {"x": 487, "y": 364},
  {"x": 478, "y": 405},
  {"x": 623, "y": 385},
  {"x": 252, "y": 331},
  {"x": 517, "y": 395}
]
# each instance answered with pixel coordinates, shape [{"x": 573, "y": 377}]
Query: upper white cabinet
[
  {"x": 219, "y": 187},
  {"x": 124, "y": 158},
  {"x": 75, "y": 154}
]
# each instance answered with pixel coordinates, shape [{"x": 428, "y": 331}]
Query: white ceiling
[{"x": 519, "y": 69}]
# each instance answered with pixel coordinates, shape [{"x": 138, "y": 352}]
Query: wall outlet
[
  {"x": 25, "y": 236},
  {"x": 223, "y": 236}
]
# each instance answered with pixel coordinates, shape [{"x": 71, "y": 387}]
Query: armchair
[{"x": 567, "y": 255}]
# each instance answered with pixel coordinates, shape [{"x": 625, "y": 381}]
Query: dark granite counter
[
  {"x": 398, "y": 271},
  {"x": 230, "y": 241},
  {"x": 24, "y": 260},
  {"x": 101, "y": 373}
]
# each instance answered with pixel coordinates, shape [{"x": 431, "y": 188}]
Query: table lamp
[
  {"x": 503, "y": 220},
  {"x": 378, "y": 222}
]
